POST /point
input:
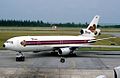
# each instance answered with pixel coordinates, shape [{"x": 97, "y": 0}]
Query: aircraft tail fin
[
  {"x": 92, "y": 30},
  {"x": 93, "y": 25}
]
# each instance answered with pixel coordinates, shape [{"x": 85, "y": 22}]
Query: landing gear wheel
[
  {"x": 62, "y": 60},
  {"x": 20, "y": 57}
]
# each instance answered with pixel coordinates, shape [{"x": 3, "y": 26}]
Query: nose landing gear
[
  {"x": 62, "y": 59},
  {"x": 20, "y": 57}
]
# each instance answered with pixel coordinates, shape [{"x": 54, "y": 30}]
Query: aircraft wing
[
  {"x": 105, "y": 38},
  {"x": 100, "y": 46},
  {"x": 101, "y": 39},
  {"x": 86, "y": 46}
]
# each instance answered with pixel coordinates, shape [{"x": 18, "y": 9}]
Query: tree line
[{"x": 28, "y": 23}]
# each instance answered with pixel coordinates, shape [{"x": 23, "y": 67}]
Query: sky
[{"x": 61, "y": 11}]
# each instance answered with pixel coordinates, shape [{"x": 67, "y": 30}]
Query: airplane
[{"x": 63, "y": 45}]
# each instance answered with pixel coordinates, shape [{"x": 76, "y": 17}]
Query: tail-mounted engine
[
  {"x": 88, "y": 32},
  {"x": 84, "y": 31},
  {"x": 97, "y": 32}
]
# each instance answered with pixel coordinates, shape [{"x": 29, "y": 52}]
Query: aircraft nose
[{"x": 3, "y": 45}]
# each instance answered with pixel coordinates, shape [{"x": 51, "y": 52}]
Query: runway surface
[
  {"x": 116, "y": 34},
  {"x": 84, "y": 60}
]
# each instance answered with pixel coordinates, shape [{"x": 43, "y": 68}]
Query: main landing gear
[{"x": 20, "y": 57}]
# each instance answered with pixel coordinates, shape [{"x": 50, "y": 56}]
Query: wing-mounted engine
[{"x": 64, "y": 51}]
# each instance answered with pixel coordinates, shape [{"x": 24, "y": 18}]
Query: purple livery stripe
[{"x": 24, "y": 43}]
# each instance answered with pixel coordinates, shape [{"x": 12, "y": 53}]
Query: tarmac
[
  {"x": 83, "y": 60},
  {"x": 44, "y": 65}
]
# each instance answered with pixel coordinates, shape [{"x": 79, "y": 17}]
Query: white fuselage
[
  {"x": 41, "y": 43},
  {"x": 64, "y": 44}
]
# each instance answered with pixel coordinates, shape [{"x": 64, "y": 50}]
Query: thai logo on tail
[{"x": 92, "y": 28}]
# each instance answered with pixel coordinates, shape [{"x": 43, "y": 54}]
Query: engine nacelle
[
  {"x": 97, "y": 32},
  {"x": 85, "y": 31},
  {"x": 88, "y": 32},
  {"x": 64, "y": 51}
]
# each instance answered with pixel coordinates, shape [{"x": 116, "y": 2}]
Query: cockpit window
[{"x": 11, "y": 42}]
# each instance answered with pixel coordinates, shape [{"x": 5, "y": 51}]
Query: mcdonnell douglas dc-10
[{"x": 64, "y": 45}]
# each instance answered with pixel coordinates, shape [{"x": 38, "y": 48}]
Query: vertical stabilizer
[
  {"x": 93, "y": 25},
  {"x": 92, "y": 30}
]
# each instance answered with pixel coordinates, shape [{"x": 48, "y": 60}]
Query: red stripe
[{"x": 56, "y": 42}]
